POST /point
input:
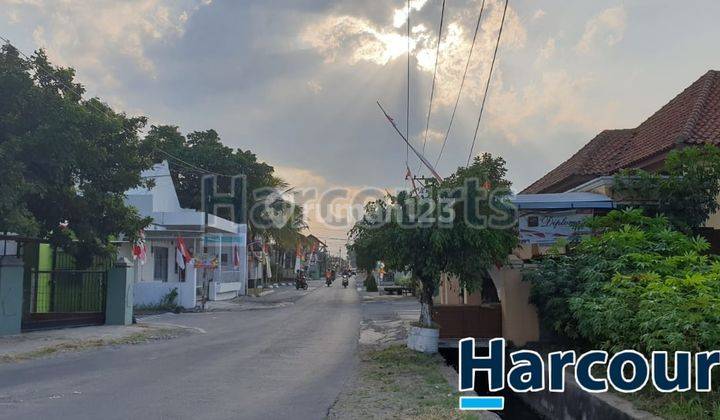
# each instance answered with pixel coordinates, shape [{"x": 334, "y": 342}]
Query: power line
[
  {"x": 487, "y": 84},
  {"x": 104, "y": 112},
  {"x": 190, "y": 165},
  {"x": 407, "y": 110},
  {"x": 432, "y": 89},
  {"x": 462, "y": 83}
]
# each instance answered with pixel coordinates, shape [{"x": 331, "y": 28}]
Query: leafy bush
[
  {"x": 636, "y": 284},
  {"x": 685, "y": 189},
  {"x": 370, "y": 283},
  {"x": 170, "y": 299}
]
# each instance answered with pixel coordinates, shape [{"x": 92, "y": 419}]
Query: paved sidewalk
[{"x": 30, "y": 345}]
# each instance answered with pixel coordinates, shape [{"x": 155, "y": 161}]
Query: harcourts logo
[{"x": 626, "y": 371}]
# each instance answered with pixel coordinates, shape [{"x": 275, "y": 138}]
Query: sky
[{"x": 297, "y": 81}]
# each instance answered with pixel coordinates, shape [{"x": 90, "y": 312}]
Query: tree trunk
[{"x": 426, "y": 304}]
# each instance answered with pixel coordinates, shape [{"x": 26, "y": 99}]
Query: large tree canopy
[
  {"x": 64, "y": 158},
  {"x": 461, "y": 226}
]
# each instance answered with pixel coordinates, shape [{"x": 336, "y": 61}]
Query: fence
[{"x": 64, "y": 297}]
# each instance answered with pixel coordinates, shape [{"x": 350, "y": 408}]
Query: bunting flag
[
  {"x": 236, "y": 256},
  {"x": 182, "y": 256},
  {"x": 139, "y": 249},
  {"x": 298, "y": 258}
]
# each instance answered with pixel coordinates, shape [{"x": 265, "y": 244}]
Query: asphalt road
[{"x": 285, "y": 362}]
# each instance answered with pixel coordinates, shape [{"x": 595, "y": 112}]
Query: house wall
[
  {"x": 450, "y": 293},
  {"x": 519, "y": 317},
  {"x": 714, "y": 219},
  {"x": 520, "y": 322},
  {"x": 146, "y": 272},
  {"x": 151, "y": 293}
]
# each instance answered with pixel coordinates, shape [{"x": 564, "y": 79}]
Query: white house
[{"x": 218, "y": 269}]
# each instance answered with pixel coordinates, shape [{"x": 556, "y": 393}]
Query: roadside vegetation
[
  {"x": 396, "y": 382},
  {"x": 643, "y": 280}
]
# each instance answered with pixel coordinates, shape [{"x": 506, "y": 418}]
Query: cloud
[
  {"x": 355, "y": 39},
  {"x": 89, "y": 36},
  {"x": 400, "y": 16},
  {"x": 539, "y": 13},
  {"x": 548, "y": 49},
  {"x": 314, "y": 86},
  {"x": 604, "y": 29},
  {"x": 301, "y": 177},
  {"x": 556, "y": 97},
  {"x": 350, "y": 40}
]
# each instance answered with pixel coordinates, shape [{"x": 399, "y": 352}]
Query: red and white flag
[
  {"x": 182, "y": 255},
  {"x": 139, "y": 249}
]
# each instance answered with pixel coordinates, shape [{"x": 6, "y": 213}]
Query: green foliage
[
  {"x": 64, "y": 158},
  {"x": 170, "y": 299},
  {"x": 394, "y": 230},
  {"x": 637, "y": 284},
  {"x": 685, "y": 189},
  {"x": 370, "y": 282}
]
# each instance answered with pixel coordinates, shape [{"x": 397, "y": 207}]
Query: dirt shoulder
[
  {"x": 37, "y": 344},
  {"x": 392, "y": 381}
]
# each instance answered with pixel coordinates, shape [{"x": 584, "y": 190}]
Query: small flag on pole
[{"x": 182, "y": 256}]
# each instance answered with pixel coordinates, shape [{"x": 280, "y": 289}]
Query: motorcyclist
[{"x": 300, "y": 281}]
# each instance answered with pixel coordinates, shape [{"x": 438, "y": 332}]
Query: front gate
[{"x": 63, "y": 298}]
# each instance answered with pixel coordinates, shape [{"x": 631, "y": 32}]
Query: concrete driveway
[{"x": 285, "y": 362}]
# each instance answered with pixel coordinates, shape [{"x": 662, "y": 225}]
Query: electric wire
[
  {"x": 487, "y": 84},
  {"x": 462, "y": 83}
]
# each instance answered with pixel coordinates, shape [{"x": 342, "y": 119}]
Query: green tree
[
  {"x": 472, "y": 227},
  {"x": 685, "y": 190},
  {"x": 65, "y": 158}
]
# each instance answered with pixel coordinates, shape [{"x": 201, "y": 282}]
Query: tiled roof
[{"x": 692, "y": 117}]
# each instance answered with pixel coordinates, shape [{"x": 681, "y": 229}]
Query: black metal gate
[{"x": 63, "y": 298}]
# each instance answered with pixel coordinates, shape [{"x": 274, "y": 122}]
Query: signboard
[{"x": 546, "y": 227}]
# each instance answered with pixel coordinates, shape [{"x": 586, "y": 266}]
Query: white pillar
[{"x": 188, "y": 299}]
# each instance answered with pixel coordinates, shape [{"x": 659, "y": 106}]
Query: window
[
  {"x": 160, "y": 258},
  {"x": 533, "y": 221}
]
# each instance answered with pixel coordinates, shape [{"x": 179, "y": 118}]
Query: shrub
[
  {"x": 370, "y": 283},
  {"x": 636, "y": 284}
]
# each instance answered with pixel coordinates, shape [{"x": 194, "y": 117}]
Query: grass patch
[
  {"x": 678, "y": 406},
  {"x": 396, "y": 382}
]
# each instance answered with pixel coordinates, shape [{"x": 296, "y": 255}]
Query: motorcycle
[
  {"x": 345, "y": 281},
  {"x": 301, "y": 283},
  {"x": 328, "y": 281}
]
